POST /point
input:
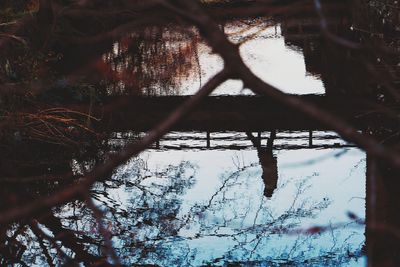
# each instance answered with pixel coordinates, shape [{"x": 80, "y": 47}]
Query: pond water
[
  {"x": 196, "y": 199},
  {"x": 194, "y": 206},
  {"x": 214, "y": 199}
]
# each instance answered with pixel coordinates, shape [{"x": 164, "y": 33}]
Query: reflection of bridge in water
[
  {"x": 265, "y": 143},
  {"x": 284, "y": 140}
]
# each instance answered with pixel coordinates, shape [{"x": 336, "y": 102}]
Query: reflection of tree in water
[
  {"x": 153, "y": 61},
  {"x": 152, "y": 209},
  {"x": 148, "y": 215},
  {"x": 44, "y": 239},
  {"x": 250, "y": 223},
  {"x": 231, "y": 215},
  {"x": 150, "y": 224},
  {"x": 268, "y": 162}
]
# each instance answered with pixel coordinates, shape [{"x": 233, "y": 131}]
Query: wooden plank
[{"x": 225, "y": 113}]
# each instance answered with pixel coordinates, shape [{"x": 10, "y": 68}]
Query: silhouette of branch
[{"x": 81, "y": 188}]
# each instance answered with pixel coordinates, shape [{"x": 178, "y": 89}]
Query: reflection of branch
[
  {"x": 42, "y": 235},
  {"x": 37, "y": 233},
  {"x": 106, "y": 234},
  {"x": 222, "y": 187}
]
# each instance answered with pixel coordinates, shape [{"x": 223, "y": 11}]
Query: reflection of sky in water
[
  {"x": 267, "y": 56},
  {"x": 169, "y": 62},
  {"x": 329, "y": 189}
]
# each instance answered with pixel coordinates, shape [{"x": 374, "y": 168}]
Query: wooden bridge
[{"x": 225, "y": 113}]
